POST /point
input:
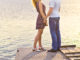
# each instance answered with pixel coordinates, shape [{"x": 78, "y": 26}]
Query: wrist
[{"x": 44, "y": 18}]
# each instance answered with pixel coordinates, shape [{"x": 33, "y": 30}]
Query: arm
[
  {"x": 49, "y": 12},
  {"x": 51, "y": 7},
  {"x": 59, "y": 9},
  {"x": 41, "y": 10}
]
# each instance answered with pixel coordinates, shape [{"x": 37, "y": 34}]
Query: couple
[{"x": 53, "y": 14}]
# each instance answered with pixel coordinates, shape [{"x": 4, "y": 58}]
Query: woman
[{"x": 40, "y": 24}]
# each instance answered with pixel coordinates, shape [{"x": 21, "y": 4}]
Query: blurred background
[{"x": 18, "y": 21}]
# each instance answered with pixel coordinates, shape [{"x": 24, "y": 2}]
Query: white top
[{"x": 55, "y": 4}]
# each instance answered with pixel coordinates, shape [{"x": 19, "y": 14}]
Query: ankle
[
  {"x": 40, "y": 47},
  {"x": 34, "y": 46},
  {"x": 34, "y": 49}
]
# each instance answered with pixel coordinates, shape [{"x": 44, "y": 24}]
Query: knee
[{"x": 40, "y": 32}]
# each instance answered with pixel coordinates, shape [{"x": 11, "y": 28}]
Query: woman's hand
[{"x": 45, "y": 22}]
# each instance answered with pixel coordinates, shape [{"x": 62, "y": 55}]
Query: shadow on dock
[{"x": 68, "y": 52}]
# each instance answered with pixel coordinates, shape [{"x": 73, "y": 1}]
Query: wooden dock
[{"x": 68, "y": 52}]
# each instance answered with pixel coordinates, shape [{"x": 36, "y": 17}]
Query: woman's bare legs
[{"x": 38, "y": 38}]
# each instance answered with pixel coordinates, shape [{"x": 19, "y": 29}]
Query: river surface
[{"x": 17, "y": 25}]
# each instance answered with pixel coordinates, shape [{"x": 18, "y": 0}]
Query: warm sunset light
[{"x": 24, "y": 34}]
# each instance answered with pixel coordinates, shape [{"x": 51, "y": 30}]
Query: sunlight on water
[{"x": 17, "y": 25}]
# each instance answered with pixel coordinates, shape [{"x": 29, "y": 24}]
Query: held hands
[{"x": 45, "y": 21}]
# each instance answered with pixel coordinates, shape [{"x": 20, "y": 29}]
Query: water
[{"x": 17, "y": 25}]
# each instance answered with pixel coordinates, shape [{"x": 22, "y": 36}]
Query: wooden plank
[
  {"x": 73, "y": 55},
  {"x": 65, "y": 46},
  {"x": 27, "y": 54},
  {"x": 77, "y": 49},
  {"x": 65, "y": 55},
  {"x": 78, "y": 56},
  {"x": 75, "y": 58},
  {"x": 65, "y": 50},
  {"x": 74, "y": 51}
]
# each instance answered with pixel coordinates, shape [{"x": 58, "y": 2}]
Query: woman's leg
[{"x": 38, "y": 37}]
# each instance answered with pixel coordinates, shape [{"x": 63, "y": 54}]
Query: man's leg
[
  {"x": 58, "y": 34},
  {"x": 52, "y": 25}
]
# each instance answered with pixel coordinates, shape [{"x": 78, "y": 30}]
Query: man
[{"x": 53, "y": 13}]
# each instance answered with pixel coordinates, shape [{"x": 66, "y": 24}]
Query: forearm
[
  {"x": 59, "y": 9},
  {"x": 49, "y": 12},
  {"x": 43, "y": 15}
]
